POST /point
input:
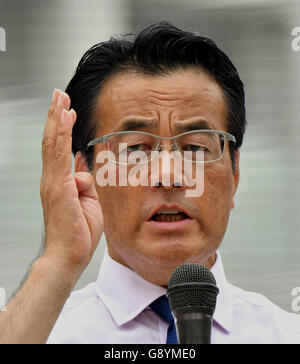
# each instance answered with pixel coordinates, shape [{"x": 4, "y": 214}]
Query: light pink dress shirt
[{"x": 115, "y": 310}]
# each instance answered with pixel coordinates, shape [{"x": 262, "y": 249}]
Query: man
[{"x": 165, "y": 90}]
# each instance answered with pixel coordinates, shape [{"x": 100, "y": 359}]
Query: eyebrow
[
  {"x": 130, "y": 125},
  {"x": 193, "y": 125}
]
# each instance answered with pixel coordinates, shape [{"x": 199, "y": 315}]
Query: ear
[
  {"x": 80, "y": 163},
  {"x": 235, "y": 176}
]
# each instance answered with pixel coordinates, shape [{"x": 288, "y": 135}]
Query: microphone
[{"x": 192, "y": 293}]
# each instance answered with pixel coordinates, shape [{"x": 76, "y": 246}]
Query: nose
[
  {"x": 166, "y": 170},
  {"x": 168, "y": 145}
]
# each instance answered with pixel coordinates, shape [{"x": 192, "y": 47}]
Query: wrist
[{"x": 58, "y": 272}]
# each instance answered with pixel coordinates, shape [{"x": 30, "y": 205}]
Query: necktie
[{"x": 161, "y": 306}]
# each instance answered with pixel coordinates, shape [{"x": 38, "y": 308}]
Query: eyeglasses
[{"x": 134, "y": 147}]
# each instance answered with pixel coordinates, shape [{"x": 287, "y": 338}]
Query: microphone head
[{"x": 192, "y": 285}]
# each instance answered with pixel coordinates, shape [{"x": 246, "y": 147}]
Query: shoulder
[
  {"x": 261, "y": 313},
  {"x": 81, "y": 313},
  {"x": 81, "y": 297}
]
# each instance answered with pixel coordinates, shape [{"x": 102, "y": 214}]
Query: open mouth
[{"x": 169, "y": 216}]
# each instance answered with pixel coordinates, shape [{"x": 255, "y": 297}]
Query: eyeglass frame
[{"x": 224, "y": 134}]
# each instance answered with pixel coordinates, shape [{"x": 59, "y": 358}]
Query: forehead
[{"x": 183, "y": 95}]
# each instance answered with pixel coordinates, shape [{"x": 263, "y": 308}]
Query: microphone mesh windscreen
[
  {"x": 192, "y": 285},
  {"x": 187, "y": 273}
]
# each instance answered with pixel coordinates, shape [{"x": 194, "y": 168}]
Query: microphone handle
[{"x": 193, "y": 325}]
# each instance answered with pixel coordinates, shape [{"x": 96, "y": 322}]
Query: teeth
[
  {"x": 173, "y": 212},
  {"x": 169, "y": 218}
]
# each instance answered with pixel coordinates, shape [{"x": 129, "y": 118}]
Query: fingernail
[
  {"x": 72, "y": 112},
  {"x": 60, "y": 99},
  {"x": 55, "y": 94}
]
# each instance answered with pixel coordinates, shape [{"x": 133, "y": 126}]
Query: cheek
[
  {"x": 120, "y": 207},
  {"x": 217, "y": 196}
]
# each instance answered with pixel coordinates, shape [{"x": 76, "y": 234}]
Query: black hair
[{"x": 158, "y": 49}]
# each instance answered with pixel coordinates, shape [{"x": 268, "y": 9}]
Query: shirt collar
[
  {"x": 224, "y": 309},
  {"x": 114, "y": 287}
]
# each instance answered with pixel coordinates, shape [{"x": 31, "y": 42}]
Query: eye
[
  {"x": 138, "y": 147},
  {"x": 194, "y": 148},
  {"x": 133, "y": 148}
]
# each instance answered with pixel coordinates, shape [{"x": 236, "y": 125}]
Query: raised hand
[
  {"x": 72, "y": 212},
  {"x": 73, "y": 226}
]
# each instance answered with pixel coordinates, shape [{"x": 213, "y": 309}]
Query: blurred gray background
[{"x": 44, "y": 42}]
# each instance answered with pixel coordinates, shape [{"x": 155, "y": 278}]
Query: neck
[{"x": 155, "y": 273}]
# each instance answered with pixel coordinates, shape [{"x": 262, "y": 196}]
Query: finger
[
  {"x": 55, "y": 96},
  {"x": 74, "y": 116},
  {"x": 51, "y": 127},
  {"x": 63, "y": 102},
  {"x": 47, "y": 134},
  {"x": 63, "y": 147},
  {"x": 85, "y": 185}
]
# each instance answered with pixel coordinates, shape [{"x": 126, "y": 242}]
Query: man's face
[{"x": 165, "y": 103}]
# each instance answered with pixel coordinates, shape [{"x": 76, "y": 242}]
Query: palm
[
  {"x": 93, "y": 222},
  {"x": 72, "y": 212}
]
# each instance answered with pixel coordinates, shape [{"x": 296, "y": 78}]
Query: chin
[{"x": 171, "y": 257}]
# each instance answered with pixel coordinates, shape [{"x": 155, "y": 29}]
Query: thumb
[{"x": 85, "y": 185}]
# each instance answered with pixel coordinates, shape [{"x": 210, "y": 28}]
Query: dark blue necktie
[{"x": 161, "y": 306}]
